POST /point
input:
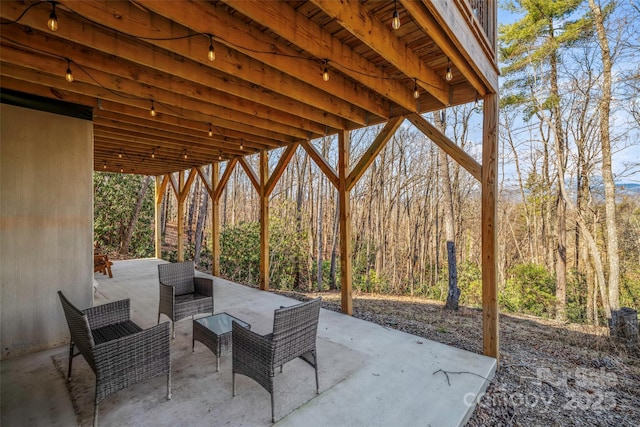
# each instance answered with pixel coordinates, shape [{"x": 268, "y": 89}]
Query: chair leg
[
  {"x": 70, "y": 360},
  {"x": 173, "y": 330},
  {"x": 158, "y": 318},
  {"x": 233, "y": 383},
  {"x": 273, "y": 417},
  {"x": 95, "y": 414},
  {"x": 315, "y": 367},
  {"x": 169, "y": 386}
]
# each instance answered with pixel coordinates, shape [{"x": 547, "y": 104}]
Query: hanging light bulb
[
  {"x": 210, "y": 130},
  {"x": 104, "y": 165},
  {"x": 475, "y": 104},
  {"x": 69, "y": 74},
  {"x": 325, "y": 72},
  {"x": 153, "y": 153},
  {"x": 416, "y": 92},
  {"x": 153, "y": 110},
  {"x": 241, "y": 145},
  {"x": 121, "y": 169},
  {"x": 120, "y": 154},
  {"x": 220, "y": 156},
  {"x": 52, "y": 23},
  {"x": 184, "y": 154},
  {"x": 395, "y": 23},
  {"x": 212, "y": 53},
  {"x": 449, "y": 74}
]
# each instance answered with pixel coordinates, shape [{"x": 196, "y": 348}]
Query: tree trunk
[
  {"x": 319, "y": 233},
  {"x": 124, "y": 246},
  {"x": 334, "y": 248},
  {"x": 453, "y": 294},
  {"x": 561, "y": 210},
  {"x": 604, "y": 110},
  {"x": 202, "y": 217}
]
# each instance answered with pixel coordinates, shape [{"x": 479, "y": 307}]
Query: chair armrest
[
  {"x": 247, "y": 344},
  {"x": 108, "y": 314},
  {"x": 127, "y": 355},
  {"x": 203, "y": 286},
  {"x": 167, "y": 291}
]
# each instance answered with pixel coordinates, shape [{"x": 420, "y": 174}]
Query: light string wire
[
  {"x": 191, "y": 34},
  {"x": 319, "y": 61}
]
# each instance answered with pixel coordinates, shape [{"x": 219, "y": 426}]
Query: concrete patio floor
[{"x": 369, "y": 375}]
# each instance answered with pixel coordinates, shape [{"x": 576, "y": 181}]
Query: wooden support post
[
  {"x": 264, "y": 220},
  {"x": 158, "y": 216},
  {"x": 180, "y": 217},
  {"x": 215, "y": 220},
  {"x": 344, "y": 195},
  {"x": 490, "y": 313}
]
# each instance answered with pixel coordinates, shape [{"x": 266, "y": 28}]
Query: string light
[
  {"x": 153, "y": 110},
  {"x": 475, "y": 104},
  {"x": 153, "y": 153},
  {"x": 416, "y": 92},
  {"x": 104, "y": 165},
  {"x": 210, "y": 130},
  {"x": 184, "y": 154},
  {"x": 120, "y": 154},
  {"x": 241, "y": 145},
  {"x": 52, "y": 23},
  {"x": 395, "y": 23},
  {"x": 449, "y": 74},
  {"x": 121, "y": 169},
  {"x": 212, "y": 52},
  {"x": 220, "y": 156},
  {"x": 69, "y": 74}
]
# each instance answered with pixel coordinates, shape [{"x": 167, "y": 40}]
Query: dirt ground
[{"x": 550, "y": 374}]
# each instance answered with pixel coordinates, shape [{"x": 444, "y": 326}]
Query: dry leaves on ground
[{"x": 551, "y": 374}]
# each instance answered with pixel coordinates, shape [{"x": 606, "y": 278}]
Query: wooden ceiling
[{"x": 265, "y": 87}]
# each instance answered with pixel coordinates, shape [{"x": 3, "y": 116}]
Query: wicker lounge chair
[
  {"x": 294, "y": 335},
  {"x": 181, "y": 293},
  {"x": 118, "y": 351}
]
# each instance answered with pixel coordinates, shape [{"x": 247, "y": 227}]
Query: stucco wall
[{"x": 46, "y": 220}]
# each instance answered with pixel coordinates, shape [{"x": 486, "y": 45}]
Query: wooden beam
[
  {"x": 231, "y": 164},
  {"x": 215, "y": 219},
  {"x": 163, "y": 188},
  {"x": 324, "y": 166},
  {"x": 449, "y": 147},
  {"x": 354, "y": 17},
  {"x": 262, "y": 117},
  {"x": 285, "y": 158},
  {"x": 58, "y": 87},
  {"x": 207, "y": 180},
  {"x": 376, "y": 146},
  {"x": 285, "y": 21},
  {"x": 162, "y": 139},
  {"x": 203, "y": 17},
  {"x": 146, "y": 123},
  {"x": 175, "y": 185},
  {"x": 264, "y": 221},
  {"x": 92, "y": 61},
  {"x": 184, "y": 191},
  {"x": 438, "y": 34},
  {"x": 127, "y": 18},
  {"x": 124, "y": 113},
  {"x": 490, "y": 311},
  {"x": 250, "y": 173},
  {"x": 344, "y": 200},
  {"x": 460, "y": 30}
]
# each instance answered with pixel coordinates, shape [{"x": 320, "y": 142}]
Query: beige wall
[{"x": 46, "y": 225}]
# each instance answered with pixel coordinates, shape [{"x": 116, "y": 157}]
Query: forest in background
[{"x": 569, "y": 187}]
